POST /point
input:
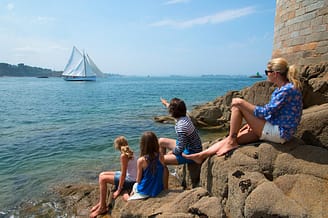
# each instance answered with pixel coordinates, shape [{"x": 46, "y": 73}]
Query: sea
[{"x": 56, "y": 132}]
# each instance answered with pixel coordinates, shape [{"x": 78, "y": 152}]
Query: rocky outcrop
[
  {"x": 256, "y": 180},
  {"x": 270, "y": 180}
]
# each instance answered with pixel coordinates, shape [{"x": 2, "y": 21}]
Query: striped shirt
[{"x": 188, "y": 138}]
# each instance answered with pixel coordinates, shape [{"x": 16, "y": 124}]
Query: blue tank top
[{"x": 151, "y": 183}]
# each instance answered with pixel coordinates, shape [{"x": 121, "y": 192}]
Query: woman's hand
[
  {"x": 246, "y": 127},
  {"x": 236, "y": 102}
]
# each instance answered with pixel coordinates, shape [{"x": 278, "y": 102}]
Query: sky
[{"x": 141, "y": 37}]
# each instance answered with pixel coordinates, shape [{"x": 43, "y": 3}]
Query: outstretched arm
[{"x": 164, "y": 102}]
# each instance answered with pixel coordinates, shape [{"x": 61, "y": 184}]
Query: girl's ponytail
[{"x": 127, "y": 151}]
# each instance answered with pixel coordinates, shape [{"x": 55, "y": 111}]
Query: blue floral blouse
[{"x": 284, "y": 110}]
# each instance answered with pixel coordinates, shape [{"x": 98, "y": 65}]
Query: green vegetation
[{"x": 26, "y": 71}]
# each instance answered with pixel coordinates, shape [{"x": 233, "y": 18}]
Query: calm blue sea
[{"x": 54, "y": 132}]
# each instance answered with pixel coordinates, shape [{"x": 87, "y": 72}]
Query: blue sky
[{"x": 141, "y": 37}]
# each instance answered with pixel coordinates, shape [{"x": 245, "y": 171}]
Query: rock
[
  {"x": 164, "y": 119},
  {"x": 253, "y": 181},
  {"x": 308, "y": 191},
  {"x": 313, "y": 128},
  {"x": 267, "y": 200},
  {"x": 207, "y": 207}
]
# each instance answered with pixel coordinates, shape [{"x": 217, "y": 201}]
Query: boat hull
[{"x": 79, "y": 78}]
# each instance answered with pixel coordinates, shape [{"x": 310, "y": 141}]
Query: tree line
[{"x": 21, "y": 70}]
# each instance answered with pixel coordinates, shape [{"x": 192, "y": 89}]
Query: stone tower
[{"x": 301, "y": 32}]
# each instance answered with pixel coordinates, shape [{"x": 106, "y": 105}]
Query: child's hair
[
  {"x": 121, "y": 144},
  {"x": 177, "y": 108},
  {"x": 290, "y": 72},
  {"x": 149, "y": 147}
]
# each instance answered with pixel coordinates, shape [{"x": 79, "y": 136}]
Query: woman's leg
[
  {"x": 245, "y": 136},
  {"x": 201, "y": 156},
  {"x": 235, "y": 124}
]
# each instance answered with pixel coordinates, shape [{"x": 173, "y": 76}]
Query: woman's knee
[{"x": 235, "y": 109}]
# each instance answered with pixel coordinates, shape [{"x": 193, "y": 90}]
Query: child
[
  {"x": 123, "y": 180},
  {"x": 150, "y": 168},
  {"x": 187, "y": 142}
]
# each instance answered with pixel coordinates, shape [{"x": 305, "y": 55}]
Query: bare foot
[
  {"x": 229, "y": 145},
  {"x": 197, "y": 157},
  {"x": 99, "y": 211},
  {"x": 95, "y": 207},
  {"x": 125, "y": 196}
]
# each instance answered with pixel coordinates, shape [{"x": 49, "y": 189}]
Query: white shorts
[{"x": 271, "y": 133}]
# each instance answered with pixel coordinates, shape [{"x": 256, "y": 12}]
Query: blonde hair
[
  {"x": 280, "y": 65},
  {"x": 121, "y": 144}
]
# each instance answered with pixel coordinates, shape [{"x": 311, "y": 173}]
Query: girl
[
  {"x": 123, "y": 180},
  {"x": 150, "y": 168}
]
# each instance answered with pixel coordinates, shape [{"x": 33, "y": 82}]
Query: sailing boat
[{"x": 80, "y": 67}]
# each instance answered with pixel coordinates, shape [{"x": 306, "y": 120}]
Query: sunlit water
[{"x": 53, "y": 131}]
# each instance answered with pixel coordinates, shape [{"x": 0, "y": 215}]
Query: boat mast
[{"x": 85, "y": 66}]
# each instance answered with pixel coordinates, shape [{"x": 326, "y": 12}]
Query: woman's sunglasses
[{"x": 268, "y": 71}]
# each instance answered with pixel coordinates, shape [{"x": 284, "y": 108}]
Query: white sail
[
  {"x": 80, "y": 67},
  {"x": 93, "y": 66}
]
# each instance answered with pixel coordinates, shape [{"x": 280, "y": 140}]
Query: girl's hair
[
  {"x": 280, "y": 65},
  {"x": 149, "y": 147},
  {"x": 121, "y": 144},
  {"x": 177, "y": 108}
]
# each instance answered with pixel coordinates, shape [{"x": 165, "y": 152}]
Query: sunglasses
[{"x": 268, "y": 71}]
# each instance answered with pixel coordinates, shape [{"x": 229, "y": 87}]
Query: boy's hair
[
  {"x": 177, "y": 108},
  {"x": 122, "y": 145}
]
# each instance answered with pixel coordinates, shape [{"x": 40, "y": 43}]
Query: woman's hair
[
  {"x": 280, "y": 65},
  {"x": 121, "y": 144},
  {"x": 149, "y": 147},
  {"x": 177, "y": 108}
]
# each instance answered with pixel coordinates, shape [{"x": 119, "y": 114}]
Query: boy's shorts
[
  {"x": 182, "y": 160},
  {"x": 128, "y": 183},
  {"x": 271, "y": 133}
]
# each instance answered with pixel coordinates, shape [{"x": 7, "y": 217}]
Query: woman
[
  {"x": 276, "y": 121},
  {"x": 123, "y": 180}
]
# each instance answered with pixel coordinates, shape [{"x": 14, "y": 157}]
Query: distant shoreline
[{"x": 22, "y": 70}]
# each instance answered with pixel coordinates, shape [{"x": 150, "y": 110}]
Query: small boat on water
[
  {"x": 80, "y": 67},
  {"x": 256, "y": 76}
]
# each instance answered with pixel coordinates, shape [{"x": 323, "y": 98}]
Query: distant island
[
  {"x": 22, "y": 70},
  {"x": 258, "y": 75}
]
